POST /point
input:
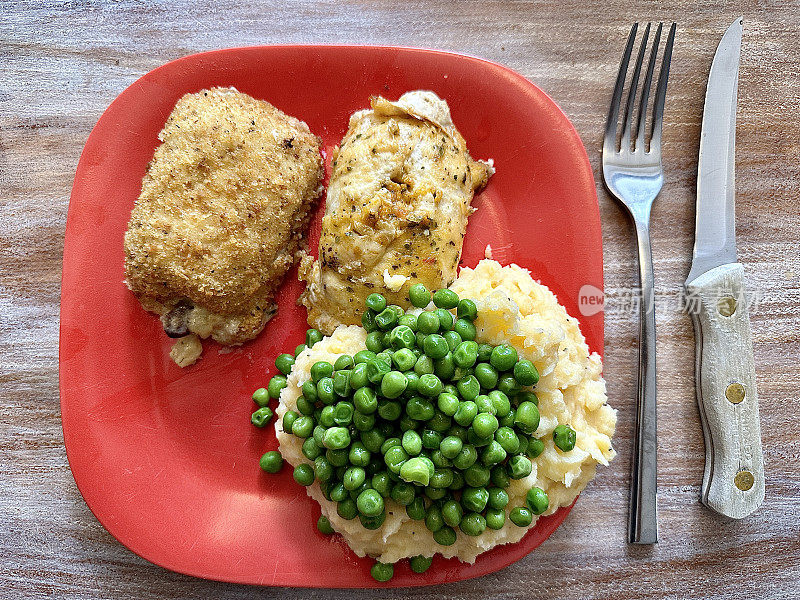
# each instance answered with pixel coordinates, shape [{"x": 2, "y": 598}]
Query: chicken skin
[
  {"x": 396, "y": 212},
  {"x": 223, "y": 211}
]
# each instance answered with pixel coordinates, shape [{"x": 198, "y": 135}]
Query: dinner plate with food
[{"x": 320, "y": 317}]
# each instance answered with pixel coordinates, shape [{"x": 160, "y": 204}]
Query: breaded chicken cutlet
[
  {"x": 396, "y": 212},
  {"x": 224, "y": 207}
]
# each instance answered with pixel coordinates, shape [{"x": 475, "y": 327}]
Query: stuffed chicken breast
[
  {"x": 397, "y": 207},
  {"x": 224, "y": 206}
]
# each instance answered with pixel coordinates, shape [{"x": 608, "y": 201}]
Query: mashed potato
[{"x": 512, "y": 308}]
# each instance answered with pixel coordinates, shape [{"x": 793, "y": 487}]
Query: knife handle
[{"x": 733, "y": 482}]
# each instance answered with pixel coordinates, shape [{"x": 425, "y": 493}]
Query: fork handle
[{"x": 643, "y": 519}]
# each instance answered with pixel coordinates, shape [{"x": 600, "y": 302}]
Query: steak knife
[{"x": 733, "y": 481}]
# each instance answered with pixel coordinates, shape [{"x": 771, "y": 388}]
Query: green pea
[
  {"x": 521, "y": 516},
  {"x": 526, "y": 373},
  {"x": 428, "y": 322},
  {"x": 347, "y": 509},
  {"x": 402, "y": 336},
  {"x": 303, "y": 474},
  {"x": 428, "y": 463},
  {"x": 409, "y": 321},
  {"x": 523, "y": 443},
  {"x": 424, "y": 366},
  {"x": 276, "y": 384},
  {"x": 304, "y": 406},
  {"x": 435, "y": 346},
  {"x": 445, "y": 319},
  {"x": 458, "y": 431},
  {"x": 389, "y": 410},
  {"x": 416, "y": 509},
  {"x": 299, "y": 349},
  {"x": 311, "y": 449},
  {"x": 412, "y": 378},
  {"x": 474, "y": 499},
  {"x": 271, "y": 462},
  {"x": 485, "y": 425},
  {"x": 446, "y": 536},
  {"x": 374, "y": 341},
  {"x": 390, "y": 443},
  {"x": 370, "y": 503},
  {"x": 338, "y": 493},
  {"x": 261, "y": 416},
  {"x": 465, "y": 458},
  {"x": 429, "y": 385},
  {"x": 338, "y": 458},
  {"x": 477, "y": 475},
  {"x": 445, "y": 299},
  {"x": 365, "y": 400},
  {"x": 289, "y": 418},
  {"x": 450, "y": 447},
  {"x": 412, "y": 443},
  {"x": 467, "y": 309},
  {"x": 537, "y": 500},
  {"x": 303, "y": 426},
  {"x": 465, "y": 329},
  {"x": 431, "y": 439},
  {"x": 368, "y": 321},
  {"x": 442, "y": 478},
  {"x": 535, "y": 447},
  {"x": 321, "y": 369},
  {"x": 475, "y": 440},
  {"x": 465, "y": 354},
  {"x": 372, "y": 522},
  {"x": 444, "y": 367},
  {"x": 495, "y": 518},
  {"x": 527, "y": 397},
  {"x": 503, "y": 357},
  {"x": 386, "y": 319},
  {"x": 393, "y": 384},
  {"x": 414, "y": 470},
  {"x": 359, "y": 455},
  {"x": 469, "y": 388},
  {"x": 354, "y": 478},
  {"x": 377, "y": 369},
  {"x": 440, "y": 422},
  {"x": 403, "y": 493},
  {"x": 324, "y": 526},
  {"x": 508, "y": 385},
  {"x": 485, "y": 405},
  {"x": 325, "y": 390},
  {"x": 336, "y": 438},
  {"x": 394, "y": 458},
  {"x": 323, "y": 469},
  {"x": 404, "y": 359},
  {"x": 284, "y": 363},
  {"x": 261, "y": 396},
  {"x": 433, "y": 519},
  {"x": 363, "y": 422},
  {"x": 448, "y": 403},
  {"x": 419, "y": 295},
  {"x": 485, "y": 352},
  {"x": 452, "y": 338},
  {"x": 420, "y": 564},
  {"x": 486, "y": 375},
  {"x": 508, "y": 420},
  {"x": 520, "y": 467},
  {"x": 408, "y": 424},
  {"x": 452, "y": 513},
  {"x": 473, "y": 524},
  {"x": 363, "y": 356},
  {"x": 499, "y": 476},
  {"x": 498, "y": 498},
  {"x": 382, "y": 484},
  {"x": 312, "y": 337},
  {"x": 507, "y": 439},
  {"x": 440, "y": 460},
  {"x": 502, "y": 404},
  {"x": 563, "y": 437},
  {"x": 375, "y": 302},
  {"x": 493, "y": 454},
  {"x": 372, "y": 440},
  {"x": 382, "y": 572},
  {"x": 458, "y": 480},
  {"x": 527, "y": 418},
  {"x": 466, "y": 413}
]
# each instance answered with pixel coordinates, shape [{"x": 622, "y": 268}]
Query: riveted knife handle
[{"x": 733, "y": 483}]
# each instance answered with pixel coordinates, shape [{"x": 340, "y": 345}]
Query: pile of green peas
[{"x": 423, "y": 415}]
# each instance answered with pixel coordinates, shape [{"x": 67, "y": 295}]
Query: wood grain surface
[{"x": 64, "y": 62}]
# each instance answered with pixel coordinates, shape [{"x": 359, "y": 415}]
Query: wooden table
[{"x": 63, "y": 64}]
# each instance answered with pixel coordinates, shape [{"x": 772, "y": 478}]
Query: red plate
[{"x": 165, "y": 457}]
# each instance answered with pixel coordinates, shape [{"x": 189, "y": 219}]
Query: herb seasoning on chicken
[
  {"x": 397, "y": 207},
  {"x": 222, "y": 213}
]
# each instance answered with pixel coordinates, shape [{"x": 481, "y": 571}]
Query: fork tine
[
  {"x": 648, "y": 79},
  {"x": 610, "y": 140},
  {"x": 661, "y": 92},
  {"x": 625, "y": 142}
]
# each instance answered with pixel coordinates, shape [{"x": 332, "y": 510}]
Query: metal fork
[{"x": 634, "y": 176}]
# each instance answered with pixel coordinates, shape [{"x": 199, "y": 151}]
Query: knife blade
[{"x": 733, "y": 479}]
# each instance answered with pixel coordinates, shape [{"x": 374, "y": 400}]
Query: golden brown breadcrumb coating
[{"x": 224, "y": 208}]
